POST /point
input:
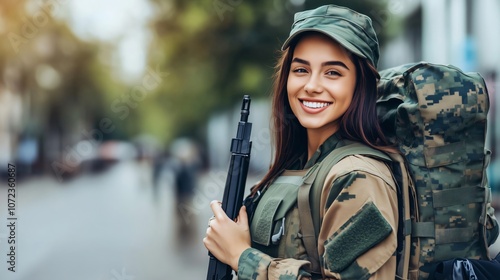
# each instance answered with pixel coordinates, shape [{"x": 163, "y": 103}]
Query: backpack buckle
[{"x": 275, "y": 238}]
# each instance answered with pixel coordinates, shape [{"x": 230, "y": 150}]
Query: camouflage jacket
[{"x": 357, "y": 238}]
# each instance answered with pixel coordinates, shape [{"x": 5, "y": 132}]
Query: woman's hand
[{"x": 227, "y": 239}]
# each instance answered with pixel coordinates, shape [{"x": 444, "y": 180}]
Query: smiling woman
[
  {"x": 323, "y": 102},
  {"x": 320, "y": 86}
]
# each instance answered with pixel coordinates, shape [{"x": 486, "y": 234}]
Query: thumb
[{"x": 242, "y": 217}]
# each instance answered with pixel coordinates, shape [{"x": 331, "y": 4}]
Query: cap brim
[{"x": 339, "y": 39}]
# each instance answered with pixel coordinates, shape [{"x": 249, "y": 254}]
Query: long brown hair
[{"x": 359, "y": 122}]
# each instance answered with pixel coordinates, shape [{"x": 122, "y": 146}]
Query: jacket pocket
[{"x": 268, "y": 223}]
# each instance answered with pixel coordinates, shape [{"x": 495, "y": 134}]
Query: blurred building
[
  {"x": 10, "y": 122},
  {"x": 222, "y": 128},
  {"x": 44, "y": 89},
  {"x": 459, "y": 32}
]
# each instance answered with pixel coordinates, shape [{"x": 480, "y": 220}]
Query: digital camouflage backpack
[{"x": 436, "y": 115}]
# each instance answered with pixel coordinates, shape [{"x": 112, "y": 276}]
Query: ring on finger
[{"x": 210, "y": 220}]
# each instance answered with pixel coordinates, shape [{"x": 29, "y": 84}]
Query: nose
[{"x": 313, "y": 85}]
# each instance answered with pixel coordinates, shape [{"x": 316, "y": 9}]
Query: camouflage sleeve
[
  {"x": 358, "y": 238},
  {"x": 255, "y": 265}
]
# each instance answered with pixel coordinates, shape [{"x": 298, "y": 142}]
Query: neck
[{"x": 316, "y": 137}]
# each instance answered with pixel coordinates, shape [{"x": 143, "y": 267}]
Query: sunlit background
[{"x": 106, "y": 105}]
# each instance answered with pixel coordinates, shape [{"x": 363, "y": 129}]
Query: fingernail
[{"x": 215, "y": 201}]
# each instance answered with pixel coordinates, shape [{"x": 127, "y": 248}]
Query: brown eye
[
  {"x": 299, "y": 70},
  {"x": 333, "y": 73}
]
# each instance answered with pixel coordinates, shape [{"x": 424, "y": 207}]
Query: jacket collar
[{"x": 324, "y": 149}]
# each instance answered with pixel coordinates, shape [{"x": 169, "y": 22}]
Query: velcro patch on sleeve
[{"x": 359, "y": 234}]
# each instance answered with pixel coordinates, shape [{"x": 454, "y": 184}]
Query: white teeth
[{"x": 315, "y": 105}]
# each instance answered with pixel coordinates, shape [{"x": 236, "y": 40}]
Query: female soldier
[{"x": 324, "y": 97}]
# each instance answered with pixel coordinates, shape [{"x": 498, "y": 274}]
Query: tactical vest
[
  {"x": 302, "y": 189},
  {"x": 268, "y": 223}
]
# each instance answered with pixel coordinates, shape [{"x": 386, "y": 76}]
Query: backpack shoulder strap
[
  {"x": 407, "y": 207},
  {"x": 310, "y": 194}
]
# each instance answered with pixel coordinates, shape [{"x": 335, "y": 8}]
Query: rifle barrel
[{"x": 235, "y": 184}]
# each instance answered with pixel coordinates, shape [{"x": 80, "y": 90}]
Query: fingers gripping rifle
[{"x": 235, "y": 184}]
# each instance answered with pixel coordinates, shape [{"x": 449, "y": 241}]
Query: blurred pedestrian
[
  {"x": 27, "y": 155},
  {"x": 186, "y": 164}
]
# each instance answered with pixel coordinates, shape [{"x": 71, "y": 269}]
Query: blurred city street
[
  {"x": 109, "y": 108},
  {"x": 108, "y": 226}
]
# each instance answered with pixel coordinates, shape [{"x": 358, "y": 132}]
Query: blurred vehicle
[
  {"x": 87, "y": 157},
  {"x": 111, "y": 152}
]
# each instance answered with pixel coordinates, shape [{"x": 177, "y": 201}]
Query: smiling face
[{"x": 320, "y": 85}]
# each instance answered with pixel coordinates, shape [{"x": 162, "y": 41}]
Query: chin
[{"x": 323, "y": 127}]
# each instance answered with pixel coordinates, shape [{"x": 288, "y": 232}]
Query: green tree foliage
[
  {"x": 214, "y": 52},
  {"x": 53, "y": 74}
]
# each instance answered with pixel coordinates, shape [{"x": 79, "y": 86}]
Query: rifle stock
[{"x": 235, "y": 184}]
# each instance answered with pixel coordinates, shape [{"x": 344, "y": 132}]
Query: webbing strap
[
  {"x": 306, "y": 223},
  {"x": 407, "y": 186},
  {"x": 484, "y": 183},
  {"x": 442, "y": 236},
  {"x": 294, "y": 180},
  {"x": 449, "y": 197},
  {"x": 483, "y": 219},
  {"x": 454, "y": 235},
  {"x": 407, "y": 227},
  {"x": 423, "y": 229}
]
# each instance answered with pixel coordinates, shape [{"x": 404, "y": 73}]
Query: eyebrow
[{"x": 326, "y": 63}]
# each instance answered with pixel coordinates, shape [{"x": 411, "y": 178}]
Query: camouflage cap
[{"x": 351, "y": 29}]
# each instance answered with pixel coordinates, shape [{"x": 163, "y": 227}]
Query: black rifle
[{"x": 235, "y": 184}]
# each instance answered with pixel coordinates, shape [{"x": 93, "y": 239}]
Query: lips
[{"x": 315, "y": 105}]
